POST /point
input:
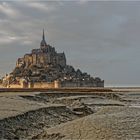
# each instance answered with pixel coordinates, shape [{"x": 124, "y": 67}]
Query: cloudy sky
[{"x": 101, "y": 38}]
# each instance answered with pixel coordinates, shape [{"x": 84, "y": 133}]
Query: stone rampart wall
[
  {"x": 43, "y": 85},
  {"x": 82, "y": 84},
  {"x": 14, "y": 86}
]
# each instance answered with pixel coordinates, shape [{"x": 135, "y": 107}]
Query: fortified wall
[{"x": 23, "y": 84}]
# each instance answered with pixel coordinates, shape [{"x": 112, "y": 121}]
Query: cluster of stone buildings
[
  {"x": 45, "y": 68},
  {"x": 43, "y": 56}
]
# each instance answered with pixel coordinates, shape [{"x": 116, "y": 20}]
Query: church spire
[
  {"x": 43, "y": 37},
  {"x": 43, "y": 42}
]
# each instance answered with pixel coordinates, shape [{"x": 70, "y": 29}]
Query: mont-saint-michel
[
  {"x": 48, "y": 94},
  {"x": 45, "y": 68}
]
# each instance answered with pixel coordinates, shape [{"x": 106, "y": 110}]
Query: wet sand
[{"x": 70, "y": 115}]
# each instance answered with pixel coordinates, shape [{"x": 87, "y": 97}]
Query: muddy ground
[{"x": 75, "y": 115}]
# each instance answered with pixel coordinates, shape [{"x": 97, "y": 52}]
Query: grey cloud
[{"x": 7, "y": 10}]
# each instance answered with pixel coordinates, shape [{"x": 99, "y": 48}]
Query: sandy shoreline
[{"x": 52, "y": 115}]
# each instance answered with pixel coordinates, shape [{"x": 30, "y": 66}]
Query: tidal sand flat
[{"x": 64, "y": 115}]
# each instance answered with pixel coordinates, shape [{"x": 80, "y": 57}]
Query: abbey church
[
  {"x": 45, "y": 68},
  {"x": 43, "y": 56}
]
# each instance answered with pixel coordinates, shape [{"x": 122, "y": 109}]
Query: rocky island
[{"x": 45, "y": 68}]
